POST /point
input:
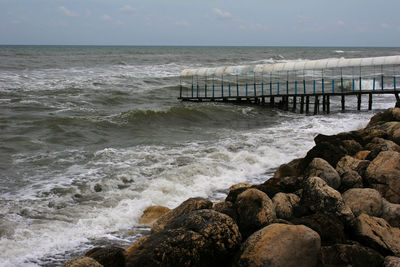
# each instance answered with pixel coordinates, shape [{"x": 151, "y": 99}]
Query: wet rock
[
  {"x": 188, "y": 205},
  {"x": 322, "y": 169},
  {"x": 98, "y": 188},
  {"x": 108, "y": 256},
  {"x": 137, "y": 244},
  {"x": 329, "y": 227},
  {"x": 285, "y": 204},
  {"x": 348, "y": 163},
  {"x": 377, "y": 145},
  {"x": 349, "y": 255},
  {"x": 288, "y": 184},
  {"x": 198, "y": 238},
  {"x": 289, "y": 169},
  {"x": 378, "y": 234},
  {"x": 391, "y": 213},
  {"x": 232, "y": 194},
  {"x": 255, "y": 210},
  {"x": 226, "y": 207},
  {"x": 82, "y": 262},
  {"x": 319, "y": 197},
  {"x": 364, "y": 200},
  {"x": 239, "y": 185},
  {"x": 383, "y": 174},
  {"x": 391, "y": 261},
  {"x": 350, "y": 179},
  {"x": 152, "y": 214},
  {"x": 391, "y": 114},
  {"x": 281, "y": 245},
  {"x": 362, "y": 155},
  {"x": 391, "y": 130}
]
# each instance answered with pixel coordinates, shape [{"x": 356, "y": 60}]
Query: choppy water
[{"x": 72, "y": 118}]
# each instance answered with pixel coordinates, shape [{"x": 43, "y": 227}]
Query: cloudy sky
[{"x": 201, "y": 22}]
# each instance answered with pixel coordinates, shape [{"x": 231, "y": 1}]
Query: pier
[{"x": 300, "y": 86}]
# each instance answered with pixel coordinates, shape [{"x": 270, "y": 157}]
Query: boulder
[
  {"x": 108, "y": 256},
  {"x": 239, "y": 185},
  {"x": 348, "y": 163},
  {"x": 152, "y": 214},
  {"x": 198, "y": 238},
  {"x": 391, "y": 213},
  {"x": 288, "y": 184},
  {"x": 288, "y": 169},
  {"x": 383, "y": 174},
  {"x": 350, "y": 179},
  {"x": 319, "y": 197},
  {"x": 322, "y": 169},
  {"x": 362, "y": 155},
  {"x": 255, "y": 210},
  {"x": 364, "y": 200},
  {"x": 349, "y": 255},
  {"x": 391, "y": 130},
  {"x": 281, "y": 245},
  {"x": 226, "y": 207},
  {"x": 391, "y": 261},
  {"x": 378, "y": 234},
  {"x": 391, "y": 114},
  {"x": 137, "y": 244},
  {"x": 329, "y": 227},
  {"x": 82, "y": 262},
  {"x": 188, "y": 205},
  {"x": 285, "y": 204},
  {"x": 377, "y": 145}
]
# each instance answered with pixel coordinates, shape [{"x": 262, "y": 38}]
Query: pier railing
[{"x": 296, "y": 79}]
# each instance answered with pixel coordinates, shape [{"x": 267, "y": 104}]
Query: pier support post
[
  {"x": 263, "y": 100},
  {"x": 397, "y": 100},
  {"x": 358, "y": 101},
  {"x": 272, "y": 101},
  {"x": 307, "y": 104},
  {"x": 286, "y": 103},
  {"x": 343, "y": 102},
  {"x": 294, "y": 103},
  {"x": 323, "y": 103},
  {"x": 316, "y": 105},
  {"x": 328, "y": 103},
  {"x": 370, "y": 101},
  {"x": 302, "y": 104}
]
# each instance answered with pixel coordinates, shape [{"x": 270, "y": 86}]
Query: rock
[
  {"x": 285, "y": 204},
  {"x": 378, "y": 234},
  {"x": 348, "y": 163},
  {"x": 152, "y": 214},
  {"x": 232, "y": 194},
  {"x": 391, "y": 114},
  {"x": 108, "y": 256},
  {"x": 239, "y": 185},
  {"x": 391, "y": 261},
  {"x": 289, "y": 169},
  {"x": 255, "y": 210},
  {"x": 349, "y": 255},
  {"x": 137, "y": 244},
  {"x": 364, "y": 200},
  {"x": 391, "y": 131},
  {"x": 82, "y": 262},
  {"x": 98, "y": 188},
  {"x": 318, "y": 196},
  {"x": 226, "y": 207},
  {"x": 281, "y": 245},
  {"x": 362, "y": 155},
  {"x": 377, "y": 145},
  {"x": 321, "y": 168},
  {"x": 188, "y": 205},
  {"x": 391, "y": 213},
  {"x": 329, "y": 227},
  {"x": 198, "y": 238},
  {"x": 350, "y": 179},
  {"x": 288, "y": 184},
  {"x": 383, "y": 174}
]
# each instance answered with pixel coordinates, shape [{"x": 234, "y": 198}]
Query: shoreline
[{"x": 338, "y": 205}]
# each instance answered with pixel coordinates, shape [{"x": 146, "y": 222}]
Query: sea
[{"x": 90, "y": 136}]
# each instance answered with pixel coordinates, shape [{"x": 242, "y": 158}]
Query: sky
[{"x": 201, "y": 22}]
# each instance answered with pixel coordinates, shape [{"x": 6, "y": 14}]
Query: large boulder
[
  {"x": 349, "y": 255},
  {"x": 187, "y": 206},
  {"x": 391, "y": 213},
  {"x": 378, "y": 234},
  {"x": 349, "y": 163},
  {"x": 281, "y": 245},
  {"x": 136, "y": 245},
  {"x": 82, "y": 262},
  {"x": 287, "y": 184},
  {"x": 329, "y": 227},
  {"x": 318, "y": 196},
  {"x": 322, "y": 169},
  {"x": 364, "y": 200},
  {"x": 285, "y": 204},
  {"x": 198, "y": 238},
  {"x": 391, "y": 114},
  {"x": 350, "y": 179},
  {"x": 383, "y": 174},
  {"x": 288, "y": 169},
  {"x": 391, "y": 261},
  {"x": 152, "y": 214},
  {"x": 255, "y": 210},
  {"x": 108, "y": 256},
  {"x": 226, "y": 207},
  {"x": 377, "y": 145},
  {"x": 391, "y": 130}
]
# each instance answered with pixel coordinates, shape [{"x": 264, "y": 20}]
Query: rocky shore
[{"x": 337, "y": 206}]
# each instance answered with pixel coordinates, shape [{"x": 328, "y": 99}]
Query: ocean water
[{"x": 91, "y": 136}]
